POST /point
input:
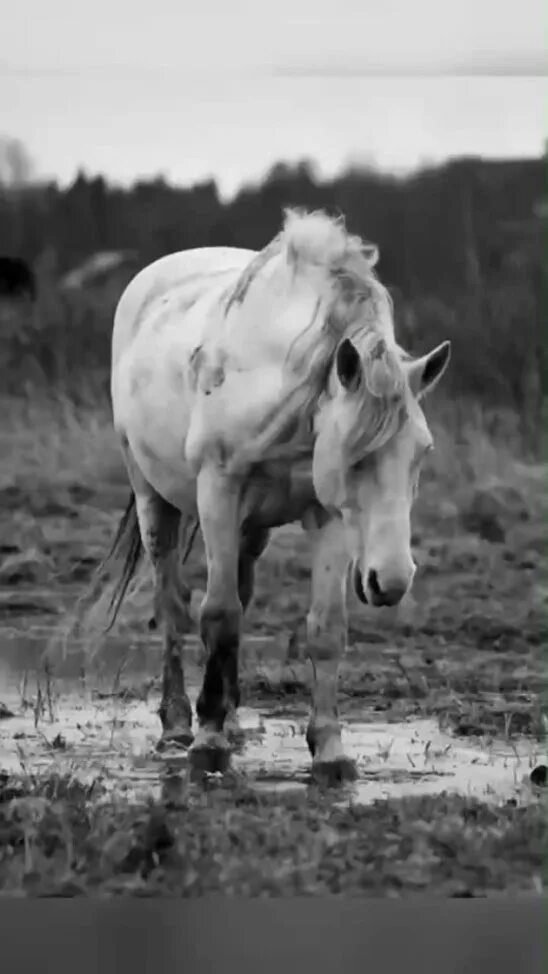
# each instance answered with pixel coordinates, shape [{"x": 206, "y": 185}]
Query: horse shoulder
[
  {"x": 167, "y": 283},
  {"x": 230, "y": 405}
]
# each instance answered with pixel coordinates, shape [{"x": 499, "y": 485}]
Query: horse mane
[{"x": 351, "y": 302}]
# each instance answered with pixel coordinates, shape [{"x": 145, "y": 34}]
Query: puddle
[{"x": 115, "y": 741}]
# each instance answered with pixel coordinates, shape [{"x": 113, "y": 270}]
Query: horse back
[{"x": 188, "y": 270}]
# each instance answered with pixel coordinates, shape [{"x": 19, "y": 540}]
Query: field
[{"x": 440, "y": 699}]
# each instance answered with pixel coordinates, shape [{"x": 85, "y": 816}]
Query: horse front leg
[
  {"x": 218, "y": 498},
  {"x": 327, "y": 629},
  {"x": 253, "y": 541}
]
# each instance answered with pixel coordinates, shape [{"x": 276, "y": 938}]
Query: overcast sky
[{"x": 230, "y": 88}]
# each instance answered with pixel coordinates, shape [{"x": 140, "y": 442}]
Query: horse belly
[{"x": 168, "y": 475}]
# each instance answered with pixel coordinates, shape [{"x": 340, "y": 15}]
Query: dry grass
[
  {"x": 54, "y": 446},
  {"x": 473, "y": 449},
  {"x": 467, "y": 653},
  {"x": 51, "y": 442}
]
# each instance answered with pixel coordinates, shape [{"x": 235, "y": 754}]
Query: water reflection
[{"x": 114, "y": 740}]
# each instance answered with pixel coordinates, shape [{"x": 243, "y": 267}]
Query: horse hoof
[
  {"x": 235, "y": 735},
  {"x": 209, "y": 760},
  {"x": 336, "y": 772},
  {"x": 210, "y": 754},
  {"x": 176, "y": 737}
]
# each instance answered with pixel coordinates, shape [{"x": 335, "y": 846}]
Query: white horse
[{"x": 251, "y": 390}]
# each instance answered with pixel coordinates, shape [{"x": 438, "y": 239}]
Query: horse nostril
[
  {"x": 358, "y": 585},
  {"x": 373, "y": 583}
]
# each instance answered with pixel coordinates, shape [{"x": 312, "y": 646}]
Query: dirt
[
  {"x": 459, "y": 666},
  {"x": 467, "y": 648}
]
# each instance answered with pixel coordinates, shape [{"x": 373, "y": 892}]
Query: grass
[
  {"x": 54, "y": 441},
  {"x": 466, "y": 650},
  {"x": 51, "y": 443},
  {"x": 58, "y": 838},
  {"x": 62, "y": 457}
]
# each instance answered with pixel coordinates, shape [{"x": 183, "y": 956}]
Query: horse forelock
[
  {"x": 359, "y": 307},
  {"x": 340, "y": 270},
  {"x": 381, "y": 409},
  {"x": 352, "y": 302},
  {"x": 318, "y": 239}
]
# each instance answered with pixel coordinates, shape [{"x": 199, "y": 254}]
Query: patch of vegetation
[{"x": 58, "y": 838}]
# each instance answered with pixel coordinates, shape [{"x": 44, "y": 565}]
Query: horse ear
[
  {"x": 424, "y": 373},
  {"x": 349, "y": 366},
  {"x": 371, "y": 254}
]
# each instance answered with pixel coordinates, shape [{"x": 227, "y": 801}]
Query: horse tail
[
  {"x": 126, "y": 550},
  {"x": 111, "y": 579},
  {"x": 109, "y": 585}
]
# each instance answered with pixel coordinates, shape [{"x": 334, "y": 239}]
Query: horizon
[
  {"x": 419, "y": 134},
  {"x": 227, "y": 95},
  {"x": 253, "y": 182}
]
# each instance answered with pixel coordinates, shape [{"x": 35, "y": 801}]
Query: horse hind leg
[{"x": 159, "y": 524}]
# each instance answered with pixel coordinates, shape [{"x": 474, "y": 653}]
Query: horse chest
[{"x": 276, "y": 494}]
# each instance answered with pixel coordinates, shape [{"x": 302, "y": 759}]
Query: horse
[
  {"x": 251, "y": 390},
  {"x": 17, "y": 279}
]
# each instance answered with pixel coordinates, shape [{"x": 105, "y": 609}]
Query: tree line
[
  {"x": 461, "y": 244},
  {"x": 441, "y": 230}
]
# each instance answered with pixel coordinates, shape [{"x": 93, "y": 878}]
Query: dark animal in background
[{"x": 17, "y": 279}]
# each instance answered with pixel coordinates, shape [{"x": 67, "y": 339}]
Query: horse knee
[
  {"x": 246, "y": 581},
  {"x": 220, "y": 627},
  {"x": 253, "y": 543},
  {"x": 220, "y": 631},
  {"x": 177, "y": 604}
]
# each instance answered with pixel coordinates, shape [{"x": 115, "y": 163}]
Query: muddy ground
[{"x": 451, "y": 798}]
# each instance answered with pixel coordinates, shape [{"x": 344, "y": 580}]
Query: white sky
[{"x": 231, "y": 88}]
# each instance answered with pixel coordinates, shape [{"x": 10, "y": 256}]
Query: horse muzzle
[
  {"x": 376, "y": 594},
  {"x": 357, "y": 580}
]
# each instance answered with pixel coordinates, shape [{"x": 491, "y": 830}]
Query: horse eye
[{"x": 361, "y": 465}]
